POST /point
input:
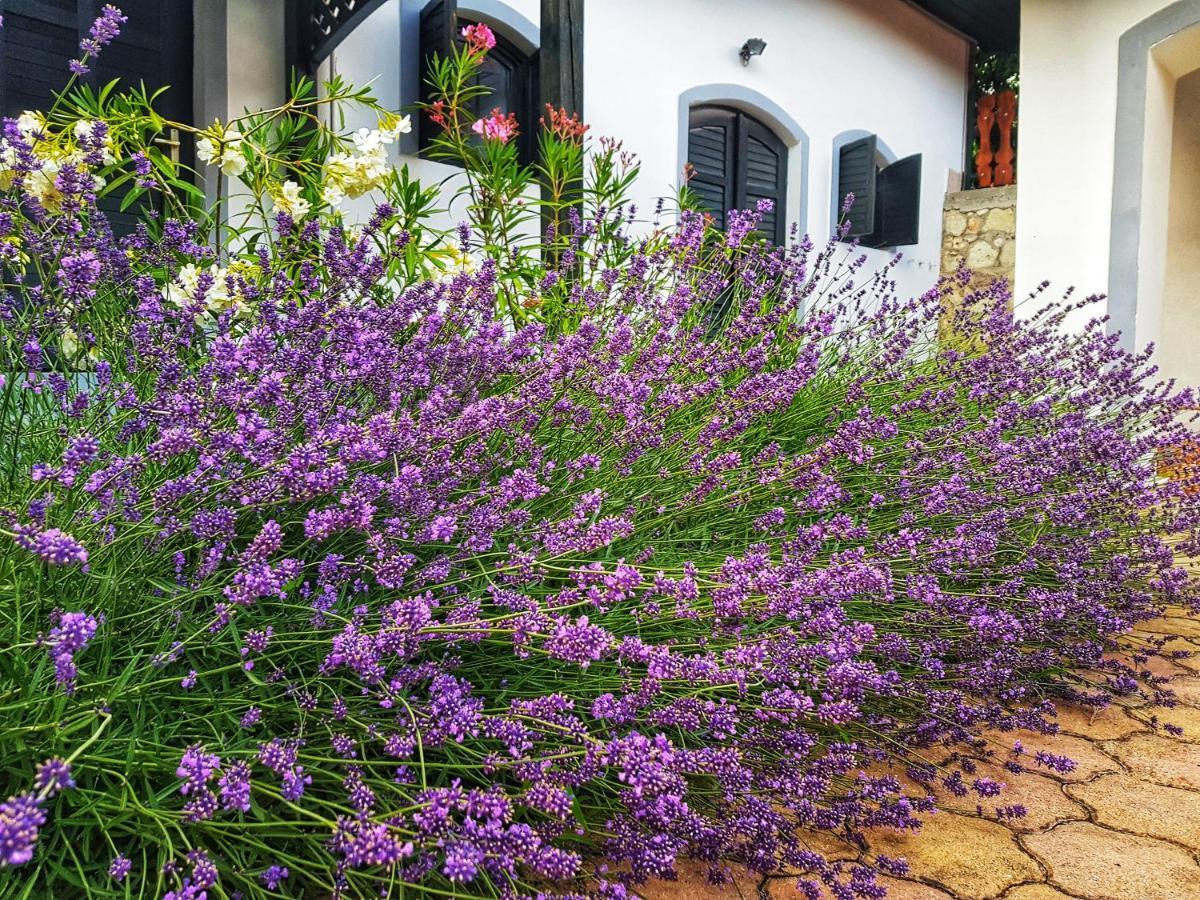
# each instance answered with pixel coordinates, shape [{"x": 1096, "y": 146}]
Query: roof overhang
[{"x": 995, "y": 25}]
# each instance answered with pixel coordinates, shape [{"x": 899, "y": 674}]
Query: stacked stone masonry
[{"x": 980, "y": 229}]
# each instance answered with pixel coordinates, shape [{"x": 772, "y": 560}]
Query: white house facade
[
  {"x": 832, "y": 72},
  {"x": 1109, "y": 186},
  {"x": 798, "y": 101}
]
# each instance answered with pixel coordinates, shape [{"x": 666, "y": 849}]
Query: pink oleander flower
[
  {"x": 496, "y": 126},
  {"x": 479, "y": 38}
]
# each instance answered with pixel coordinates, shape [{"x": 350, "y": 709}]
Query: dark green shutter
[
  {"x": 439, "y": 21},
  {"x": 711, "y": 149},
  {"x": 856, "y": 175},
  {"x": 898, "y": 197},
  {"x": 762, "y": 175}
]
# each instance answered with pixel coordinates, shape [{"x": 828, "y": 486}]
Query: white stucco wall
[
  {"x": 832, "y": 66},
  {"x": 1178, "y": 355},
  {"x": 1067, "y": 121}
]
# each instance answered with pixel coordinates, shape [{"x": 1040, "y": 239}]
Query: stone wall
[{"x": 979, "y": 228}]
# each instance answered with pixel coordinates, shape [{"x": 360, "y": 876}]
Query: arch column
[{"x": 1148, "y": 66}]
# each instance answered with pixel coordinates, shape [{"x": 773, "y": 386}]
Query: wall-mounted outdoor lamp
[{"x": 752, "y": 47}]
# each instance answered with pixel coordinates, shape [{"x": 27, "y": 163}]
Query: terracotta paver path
[{"x": 1124, "y": 825}]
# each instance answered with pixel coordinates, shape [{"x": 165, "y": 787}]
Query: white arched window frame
[
  {"x": 766, "y": 111},
  {"x": 510, "y": 24}
]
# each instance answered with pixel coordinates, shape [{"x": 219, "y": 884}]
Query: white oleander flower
[
  {"x": 287, "y": 199},
  {"x": 182, "y": 291},
  {"x": 392, "y": 126},
  {"x": 83, "y": 132},
  {"x": 40, "y": 185},
  {"x": 222, "y": 147},
  {"x": 30, "y": 122}
]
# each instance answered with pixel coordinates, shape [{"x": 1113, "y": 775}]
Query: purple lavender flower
[
  {"x": 53, "y": 776},
  {"x": 274, "y": 877},
  {"x": 53, "y": 545},
  {"x": 104, "y": 31},
  {"x": 70, "y": 635},
  {"x": 579, "y": 642},
  {"x": 119, "y": 868},
  {"x": 204, "y": 872},
  {"x": 235, "y": 787},
  {"x": 197, "y": 768},
  {"x": 78, "y": 274},
  {"x": 20, "y": 819}
]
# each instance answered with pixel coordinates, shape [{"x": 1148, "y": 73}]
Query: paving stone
[
  {"x": 1036, "y": 892},
  {"x": 1186, "y": 717},
  {"x": 1089, "y": 759},
  {"x": 1155, "y": 665},
  {"x": 1151, "y": 810},
  {"x": 897, "y": 889},
  {"x": 1173, "y": 625},
  {"x": 693, "y": 884},
  {"x": 969, "y": 856},
  {"x": 828, "y": 845},
  {"x": 1191, "y": 663},
  {"x": 902, "y": 889},
  {"x": 1159, "y": 758},
  {"x": 1090, "y": 861},
  {"x": 1187, "y": 690},
  {"x": 1042, "y": 797},
  {"x": 1103, "y": 724}
]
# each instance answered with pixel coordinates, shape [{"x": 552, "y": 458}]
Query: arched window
[
  {"x": 508, "y": 72},
  {"x": 737, "y": 161}
]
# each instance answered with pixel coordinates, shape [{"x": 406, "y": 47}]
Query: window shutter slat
[
  {"x": 710, "y": 151},
  {"x": 899, "y": 200},
  {"x": 764, "y": 177},
  {"x": 856, "y": 175},
  {"x": 438, "y": 21},
  {"x": 737, "y": 161}
]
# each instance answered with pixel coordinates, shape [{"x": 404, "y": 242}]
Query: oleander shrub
[{"x": 382, "y": 561}]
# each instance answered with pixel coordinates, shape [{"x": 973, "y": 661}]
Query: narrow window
[
  {"x": 510, "y": 75},
  {"x": 887, "y": 198},
  {"x": 737, "y": 161}
]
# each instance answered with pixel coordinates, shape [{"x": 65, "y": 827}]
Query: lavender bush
[{"x": 379, "y": 561}]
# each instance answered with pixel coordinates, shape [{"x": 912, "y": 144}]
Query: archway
[{"x": 1152, "y": 183}]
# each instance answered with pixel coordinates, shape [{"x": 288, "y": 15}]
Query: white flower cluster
[
  {"x": 51, "y": 155},
  {"x": 218, "y": 299},
  {"x": 355, "y": 172},
  {"x": 222, "y": 147},
  {"x": 29, "y": 124},
  {"x": 286, "y": 199},
  {"x": 83, "y": 132}
]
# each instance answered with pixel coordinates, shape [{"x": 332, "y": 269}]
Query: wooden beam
[
  {"x": 561, "y": 54},
  {"x": 560, "y": 61}
]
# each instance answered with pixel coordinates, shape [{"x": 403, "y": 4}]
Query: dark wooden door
[{"x": 40, "y": 37}]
